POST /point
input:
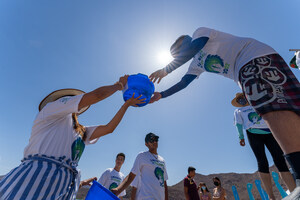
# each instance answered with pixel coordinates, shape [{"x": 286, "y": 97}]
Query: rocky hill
[{"x": 227, "y": 179}]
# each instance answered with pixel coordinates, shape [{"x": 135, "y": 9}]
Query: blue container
[
  {"x": 97, "y": 191},
  {"x": 139, "y": 84}
]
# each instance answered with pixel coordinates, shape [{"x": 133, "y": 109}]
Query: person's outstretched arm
[
  {"x": 166, "y": 191},
  {"x": 112, "y": 125},
  {"x": 239, "y": 128},
  {"x": 101, "y": 93},
  {"x": 87, "y": 181},
  {"x": 133, "y": 193},
  {"x": 181, "y": 59},
  {"x": 185, "y": 81},
  {"x": 124, "y": 184}
]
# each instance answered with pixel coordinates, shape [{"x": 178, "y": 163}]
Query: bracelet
[{"x": 121, "y": 84}]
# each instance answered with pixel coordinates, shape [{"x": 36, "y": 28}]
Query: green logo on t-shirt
[
  {"x": 254, "y": 117},
  {"x": 213, "y": 63},
  {"x": 77, "y": 149},
  {"x": 159, "y": 174},
  {"x": 113, "y": 185}
]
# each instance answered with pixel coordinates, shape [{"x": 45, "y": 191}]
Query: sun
[{"x": 164, "y": 57}]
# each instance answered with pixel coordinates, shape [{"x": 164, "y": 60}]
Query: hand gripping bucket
[
  {"x": 97, "y": 192},
  {"x": 139, "y": 84}
]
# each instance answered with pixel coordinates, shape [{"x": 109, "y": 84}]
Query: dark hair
[
  {"x": 120, "y": 154},
  {"x": 206, "y": 189},
  {"x": 217, "y": 179},
  {"x": 191, "y": 169},
  {"x": 80, "y": 129}
]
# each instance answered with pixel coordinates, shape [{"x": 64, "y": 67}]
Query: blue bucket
[
  {"x": 97, "y": 191},
  {"x": 139, "y": 84}
]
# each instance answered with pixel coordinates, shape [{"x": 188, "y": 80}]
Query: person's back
[{"x": 225, "y": 54}]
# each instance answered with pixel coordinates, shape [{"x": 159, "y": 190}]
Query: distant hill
[{"x": 227, "y": 179}]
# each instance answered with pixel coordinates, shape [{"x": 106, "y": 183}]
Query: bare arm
[
  {"x": 101, "y": 93},
  {"x": 166, "y": 191},
  {"x": 87, "y": 181},
  {"x": 133, "y": 193},
  {"x": 111, "y": 126},
  {"x": 124, "y": 184}
]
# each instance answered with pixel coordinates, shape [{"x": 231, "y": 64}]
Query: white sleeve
[
  {"x": 298, "y": 58},
  {"x": 237, "y": 117},
  {"x": 61, "y": 107},
  {"x": 135, "y": 181},
  {"x": 136, "y": 166},
  {"x": 89, "y": 131},
  {"x": 103, "y": 179},
  {"x": 204, "y": 32}
]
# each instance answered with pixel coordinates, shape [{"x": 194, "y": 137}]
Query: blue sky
[{"x": 49, "y": 45}]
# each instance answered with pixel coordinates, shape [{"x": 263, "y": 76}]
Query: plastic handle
[
  {"x": 249, "y": 188},
  {"x": 281, "y": 190},
  {"x": 235, "y": 193}
]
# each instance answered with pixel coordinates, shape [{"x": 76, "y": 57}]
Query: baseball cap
[{"x": 150, "y": 136}]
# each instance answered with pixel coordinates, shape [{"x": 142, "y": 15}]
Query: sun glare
[{"x": 164, "y": 57}]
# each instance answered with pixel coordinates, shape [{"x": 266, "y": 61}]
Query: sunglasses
[
  {"x": 152, "y": 140},
  {"x": 243, "y": 101}
]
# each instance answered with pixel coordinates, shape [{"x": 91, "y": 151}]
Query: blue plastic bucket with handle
[
  {"x": 139, "y": 84},
  {"x": 97, "y": 191}
]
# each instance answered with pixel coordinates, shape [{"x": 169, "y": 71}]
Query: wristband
[{"x": 121, "y": 84}]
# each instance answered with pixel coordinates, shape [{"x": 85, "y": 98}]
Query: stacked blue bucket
[
  {"x": 97, "y": 191},
  {"x": 139, "y": 84}
]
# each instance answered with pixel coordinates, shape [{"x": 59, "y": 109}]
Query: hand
[
  {"x": 242, "y": 142},
  {"x": 134, "y": 101},
  {"x": 123, "y": 80},
  {"x": 115, "y": 191},
  {"x": 159, "y": 74},
  {"x": 87, "y": 182},
  {"x": 156, "y": 96}
]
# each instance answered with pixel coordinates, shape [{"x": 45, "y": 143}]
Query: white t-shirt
[
  {"x": 225, "y": 54},
  {"x": 53, "y": 134},
  {"x": 136, "y": 183},
  {"x": 249, "y": 118},
  {"x": 298, "y": 58},
  {"x": 111, "y": 179},
  {"x": 153, "y": 173}
]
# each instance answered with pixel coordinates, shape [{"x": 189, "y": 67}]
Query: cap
[{"x": 150, "y": 136}]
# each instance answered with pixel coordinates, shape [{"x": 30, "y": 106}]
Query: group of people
[
  {"x": 49, "y": 167},
  {"x": 201, "y": 192}
]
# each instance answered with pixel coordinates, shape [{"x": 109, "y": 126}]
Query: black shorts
[{"x": 270, "y": 85}]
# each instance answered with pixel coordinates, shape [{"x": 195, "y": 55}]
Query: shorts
[{"x": 269, "y": 85}]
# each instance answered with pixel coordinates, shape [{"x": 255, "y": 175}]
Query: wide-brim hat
[
  {"x": 53, "y": 96},
  {"x": 235, "y": 102}
]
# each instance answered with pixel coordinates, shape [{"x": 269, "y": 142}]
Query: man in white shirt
[
  {"x": 112, "y": 177},
  {"x": 151, "y": 169}
]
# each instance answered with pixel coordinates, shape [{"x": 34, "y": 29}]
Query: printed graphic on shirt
[
  {"x": 212, "y": 63},
  {"x": 113, "y": 185},
  {"x": 159, "y": 174},
  {"x": 254, "y": 118},
  {"x": 77, "y": 149},
  {"x": 263, "y": 82},
  {"x": 64, "y": 99}
]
